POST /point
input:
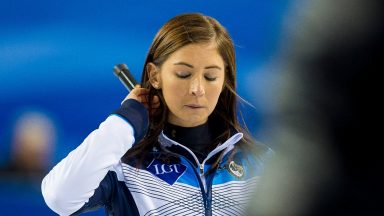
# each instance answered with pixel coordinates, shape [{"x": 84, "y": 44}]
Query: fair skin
[{"x": 191, "y": 80}]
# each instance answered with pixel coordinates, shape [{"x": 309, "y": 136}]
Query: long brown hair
[{"x": 176, "y": 33}]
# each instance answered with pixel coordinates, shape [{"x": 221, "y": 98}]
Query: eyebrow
[{"x": 191, "y": 66}]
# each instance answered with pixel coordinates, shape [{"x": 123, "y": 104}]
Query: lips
[{"x": 194, "y": 106}]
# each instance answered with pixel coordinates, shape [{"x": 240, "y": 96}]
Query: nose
[{"x": 196, "y": 87}]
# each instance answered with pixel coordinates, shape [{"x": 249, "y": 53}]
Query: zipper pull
[{"x": 201, "y": 169}]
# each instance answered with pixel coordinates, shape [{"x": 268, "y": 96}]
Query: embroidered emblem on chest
[
  {"x": 169, "y": 173},
  {"x": 235, "y": 169}
]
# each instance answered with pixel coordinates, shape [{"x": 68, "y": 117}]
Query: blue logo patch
[{"x": 169, "y": 173}]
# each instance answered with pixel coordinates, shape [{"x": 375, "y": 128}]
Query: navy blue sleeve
[{"x": 137, "y": 115}]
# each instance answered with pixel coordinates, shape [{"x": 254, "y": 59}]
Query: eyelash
[
  {"x": 183, "y": 76},
  {"x": 210, "y": 79},
  {"x": 188, "y": 75}
]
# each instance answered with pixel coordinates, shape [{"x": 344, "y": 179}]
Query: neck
[{"x": 200, "y": 139}]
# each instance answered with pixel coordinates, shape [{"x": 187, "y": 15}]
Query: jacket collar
[{"x": 166, "y": 143}]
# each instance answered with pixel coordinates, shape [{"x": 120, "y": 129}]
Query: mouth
[{"x": 194, "y": 106}]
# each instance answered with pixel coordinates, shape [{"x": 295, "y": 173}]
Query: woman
[{"x": 175, "y": 146}]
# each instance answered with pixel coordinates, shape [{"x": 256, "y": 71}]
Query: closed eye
[
  {"x": 183, "y": 76},
  {"x": 210, "y": 78}
]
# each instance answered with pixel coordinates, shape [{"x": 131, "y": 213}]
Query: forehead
[{"x": 197, "y": 54}]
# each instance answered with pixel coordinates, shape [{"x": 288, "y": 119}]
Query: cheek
[
  {"x": 213, "y": 96},
  {"x": 173, "y": 92}
]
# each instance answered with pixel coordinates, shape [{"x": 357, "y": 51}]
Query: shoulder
[{"x": 255, "y": 154}]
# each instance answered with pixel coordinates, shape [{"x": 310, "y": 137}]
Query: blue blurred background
[{"x": 56, "y": 80}]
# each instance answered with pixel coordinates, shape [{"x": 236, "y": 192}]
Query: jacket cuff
[{"x": 137, "y": 115}]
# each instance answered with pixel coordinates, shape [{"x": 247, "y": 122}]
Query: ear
[{"x": 154, "y": 75}]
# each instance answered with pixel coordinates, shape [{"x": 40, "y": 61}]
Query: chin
[{"x": 188, "y": 120}]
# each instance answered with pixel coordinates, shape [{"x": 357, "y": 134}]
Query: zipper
[
  {"x": 200, "y": 172},
  {"x": 230, "y": 142}
]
